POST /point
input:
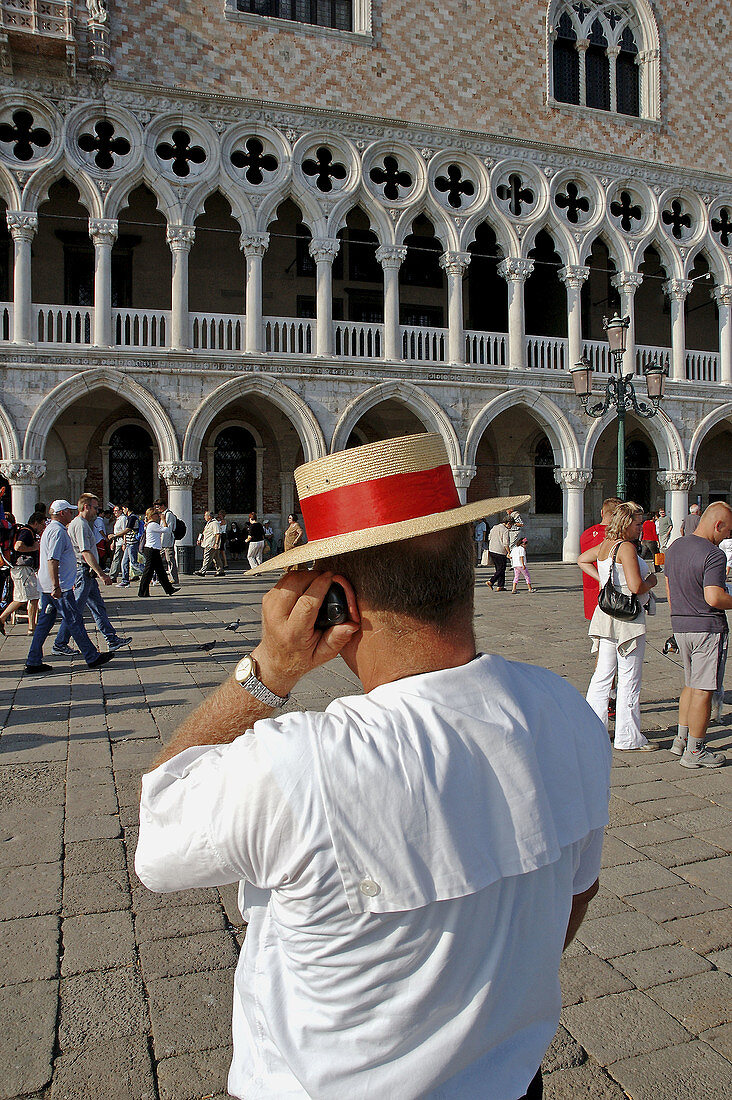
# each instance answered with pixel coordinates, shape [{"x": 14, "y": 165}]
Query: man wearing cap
[
  {"x": 413, "y": 860},
  {"x": 56, "y": 579}
]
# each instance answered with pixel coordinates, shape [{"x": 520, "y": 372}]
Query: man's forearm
[
  {"x": 53, "y": 567},
  {"x": 89, "y": 560}
]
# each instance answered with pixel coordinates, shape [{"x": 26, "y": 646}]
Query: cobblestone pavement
[{"x": 109, "y": 991}]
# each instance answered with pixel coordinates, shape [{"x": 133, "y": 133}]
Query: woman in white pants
[{"x": 620, "y": 645}]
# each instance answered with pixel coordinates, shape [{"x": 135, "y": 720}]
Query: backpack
[
  {"x": 179, "y": 529},
  {"x": 141, "y": 528}
]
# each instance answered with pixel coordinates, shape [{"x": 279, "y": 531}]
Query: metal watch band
[{"x": 256, "y": 688}]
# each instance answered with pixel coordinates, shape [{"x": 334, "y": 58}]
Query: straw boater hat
[{"x": 382, "y": 492}]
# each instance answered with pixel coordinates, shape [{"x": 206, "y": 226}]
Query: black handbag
[{"x": 614, "y": 602}]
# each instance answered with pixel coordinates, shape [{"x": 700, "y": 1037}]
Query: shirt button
[{"x": 370, "y": 888}]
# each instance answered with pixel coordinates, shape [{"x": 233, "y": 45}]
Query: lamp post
[{"x": 619, "y": 390}]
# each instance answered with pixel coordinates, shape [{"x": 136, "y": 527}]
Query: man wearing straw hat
[{"x": 413, "y": 860}]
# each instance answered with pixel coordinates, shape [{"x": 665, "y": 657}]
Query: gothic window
[
  {"x": 337, "y": 14},
  {"x": 235, "y": 472},
  {"x": 547, "y": 494},
  {"x": 604, "y": 55},
  {"x": 131, "y": 467}
]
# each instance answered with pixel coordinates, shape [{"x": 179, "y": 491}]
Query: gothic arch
[
  {"x": 724, "y": 412},
  {"x": 9, "y": 442},
  {"x": 670, "y": 258},
  {"x": 715, "y": 258},
  {"x": 617, "y": 249},
  {"x": 78, "y": 386},
  {"x": 38, "y": 187},
  {"x": 444, "y": 232},
  {"x": 379, "y": 222},
  {"x": 293, "y": 406},
  {"x": 506, "y": 237},
  {"x": 564, "y": 243},
  {"x": 167, "y": 203},
  {"x": 241, "y": 210},
  {"x": 549, "y": 415},
  {"x": 312, "y": 216},
  {"x": 425, "y": 408},
  {"x": 663, "y": 433}
]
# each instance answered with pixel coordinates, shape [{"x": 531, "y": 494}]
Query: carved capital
[
  {"x": 573, "y": 478},
  {"x": 324, "y": 249},
  {"x": 573, "y": 277},
  {"x": 179, "y": 475},
  {"x": 627, "y": 282},
  {"x": 455, "y": 263},
  {"x": 677, "y": 289},
  {"x": 676, "y": 481},
  {"x": 463, "y": 475},
  {"x": 23, "y": 224},
  {"x": 181, "y": 237},
  {"x": 103, "y": 230},
  {"x": 582, "y": 44},
  {"x": 391, "y": 255},
  {"x": 515, "y": 270},
  {"x": 723, "y": 294},
  {"x": 22, "y": 471},
  {"x": 254, "y": 244}
]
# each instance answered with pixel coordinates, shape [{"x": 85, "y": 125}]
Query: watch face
[{"x": 244, "y": 669}]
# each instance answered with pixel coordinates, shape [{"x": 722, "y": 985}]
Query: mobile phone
[{"x": 334, "y": 608}]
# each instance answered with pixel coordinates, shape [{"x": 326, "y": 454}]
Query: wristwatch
[{"x": 246, "y": 675}]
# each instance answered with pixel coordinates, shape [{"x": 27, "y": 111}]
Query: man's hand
[
  {"x": 105, "y": 578},
  {"x": 56, "y": 591},
  {"x": 291, "y": 646}
]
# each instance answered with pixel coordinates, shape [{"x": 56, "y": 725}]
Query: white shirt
[
  {"x": 120, "y": 526},
  {"x": 210, "y": 533},
  {"x": 154, "y": 535},
  {"x": 397, "y": 946},
  {"x": 518, "y": 556},
  {"x": 83, "y": 537},
  {"x": 55, "y": 543},
  {"x": 726, "y": 547}
]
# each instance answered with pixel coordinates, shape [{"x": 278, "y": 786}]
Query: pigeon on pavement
[
  {"x": 208, "y": 646},
  {"x": 234, "y": 626}
]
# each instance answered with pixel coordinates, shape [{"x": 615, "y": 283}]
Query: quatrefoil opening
[
  {"x": 181, "y": 152},
  {"x": 453, "y": 186},
  {"x": 104, "y": 144},
  {"x": 254, "y": 161},
  {"x": 26, "y": 137},
  {"x": 323, "y": 170}
]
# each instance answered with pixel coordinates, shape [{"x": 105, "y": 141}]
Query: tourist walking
[
  {"x": 131, "y": 544},
  {"x": 664, "y": 527},
  {"x": 89, "y": 573},
  {"x": 23, "y": 558},
  {"x": 593, "y": 536},
  {"x": 690, "y": 522},
  {"x": 255, "y": 542},
  {"x": 56, "y": 579},
  {"x": 210, "y": 541},
  {"x": 619, "y": 644},
  {"x": 499, "y": 547},
  {"x": 169, "y": 521},
  {"x": 519, "y": 563},
  {"x": 154, "y": 564},
  {"x": 480, "y": 531},
  {"x": 698, "y": 600},
  {"x": 117, "y": 541}
]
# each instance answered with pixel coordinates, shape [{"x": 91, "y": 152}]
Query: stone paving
[{"x": 109, "y": 991}]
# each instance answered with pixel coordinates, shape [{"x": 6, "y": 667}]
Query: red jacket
[{"x": 593, "y": 536}]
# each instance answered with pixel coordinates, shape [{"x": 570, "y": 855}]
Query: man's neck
[{"x": 388, "y": 649}]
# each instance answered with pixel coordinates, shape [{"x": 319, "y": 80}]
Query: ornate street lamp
[{"x": 619, "y": 390}]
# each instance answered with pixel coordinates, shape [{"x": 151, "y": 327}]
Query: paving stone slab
[
  {"x": 698, "y": 1002},
  {"x": 116, "y": 1070},
  {"x": 191, "y": 1012},
  {"x": 604, "y": 904},
  {"x": 588, "y": 1080},
  {"x": 563, "y": 1053},
  {"x": 704, "y": 932},
  {"x": 621, "y": 1025},
  {"x": 647, "y": 832},
  {"x": 719, "y": 838},
  {"x": 193, "y": 1076},
  {"x": 671, "y": 807},
  {"x": 183, "y": 920},
  {"x": 84, "y": 857},
  {"x": 100, "y": 892},
  {"x": 719, "y": 1039},
  {"x": 29, "y": 836},
  {"x": 165, "y": 958},
  {"x": 93, "y": 827},
  {"x": 35, "y": 785},
  {"x": 615, "y": 853},
  {"x": 24, "y": 894},
  {"x": 690, "y": 1072},
  {"x": 621, "y": 933},
  {"x": 100, "y": 1007},
  {"x": 634, "y": 878},
  {"x": 688, "y": 849},
  {"x": 144, "y": 899},
  {"x": 28, "y": 1014},
  {"x": 722, "y": 960},
  {"x": 713, "y": 875},
  {"x": 698, "y": 821},
  {"x": 98, "y": 941},
  {"x": 584, "y": 977},
  {"x": 675, "y": 901},
  {"x": 93, "y": 799},
  {"x": 644, "y": 792},
  {"x": 28, "y": 949},
  {"x": 660, "y": 964}
]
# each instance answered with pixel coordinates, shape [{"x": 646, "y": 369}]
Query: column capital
[
  {"x": 572, "y": 478},
  {"x": 463, "y": 475},
  {"x": 179, "y": 475},
  {"x": 582, "y": 44},
  {"x": 23, "y": 224},
  {"x": 676, "y": 481},
  {"x": 723, "y": 294},
  {"x": 22, "y": 471},
  {"x": 254, "y": 244},
  {"x": 515, "y": 270},
  {"x": 391, "y": 255},
  {"x": 574, "y": 276},
  {"x": 103, "y": 230},
  {"x": 180, "y": 237},
  {"x": 455, "y": 263},
  {"x": 324, "y": 249},
  {"x": 627, "y": 281},
  {"x": 677, "y": 289}
]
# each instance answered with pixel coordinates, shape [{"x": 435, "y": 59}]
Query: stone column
[
  {"x": 582, "y": 45},
  {"x": 573, "y": 278},
  {"x": 77, "y": 481},
  {"x": 677, "y": 484},
  {"x": 103, "y": 232},
  {"x": 516, "y": 272},
  {"x": 287, "y": 496},
  {"x": 180, "y": 238},
  {"x": 677, "y": 290},
  {"x": 23, "y": 227},
  {"x": 324, "y": 250},
  {"x": 455, "y": 264},
  {"x": 723, "y": 296},
  {"x": 612, "y": 57},
  {"x": 463, "y": 476},
  {"x": 391, "y": 258},
  {"x": 254, "y": 246},
  {"x": 573, "y": 482},
  {"x": 23, "y": 475},
  {"x": 179, "y": 477},
  {"x": 259, "y": 474},
  {"x": 626, "y": 283}
]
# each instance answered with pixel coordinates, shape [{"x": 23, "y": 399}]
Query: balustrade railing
[
  {"x": 289, "y": 335},
  {"x": 424, "y": 345},
  {"x": 358, "y": 340},
  {"x": 647, "y": 356},
  {"x": 217, "y": 332},
  {"x": 141, "y": 328},
  {"x": 63, "y": 324},
  {"x": 50, "y": 18},
  {"x": 486, "y": 348},
  {"x": 702, "y": 366},
  {"x": 546, "y": 353}
]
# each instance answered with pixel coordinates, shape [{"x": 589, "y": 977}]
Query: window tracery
[{"x": 336, "y": 14}]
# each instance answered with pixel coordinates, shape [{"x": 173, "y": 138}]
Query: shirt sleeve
[
  {"x": 589, "y": 864},
  {"x": 715, "y": 569}
]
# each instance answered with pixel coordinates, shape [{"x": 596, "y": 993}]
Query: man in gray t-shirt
[{"x": 698, "y": 599}]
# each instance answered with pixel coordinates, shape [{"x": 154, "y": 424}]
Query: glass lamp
[
  {"x": 582, "y": 378},
  {"x": 617, "y": 333},
  {"x": 655, "y": 381}
]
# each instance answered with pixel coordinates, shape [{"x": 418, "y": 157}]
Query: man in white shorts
[{"x": 698, "y": 598}]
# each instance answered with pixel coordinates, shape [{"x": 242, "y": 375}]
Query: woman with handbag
[{"x": 618, "y": 626}]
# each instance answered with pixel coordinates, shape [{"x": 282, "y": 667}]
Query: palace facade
[{"x": 239, "y": 235}]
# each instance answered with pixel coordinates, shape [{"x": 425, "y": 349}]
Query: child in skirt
[{"x": 518, "y": 561}]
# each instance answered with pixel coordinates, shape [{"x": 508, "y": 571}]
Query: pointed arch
[
  {"x": 443, "y": 230},
  {"x": 670, "y": 259},
  {"x": 564, "y": 243},
  {"x": 9, "y": 442},
  {"x": 505, "y": 234},
  {"x": 41, "y": 182},
  {"x": 286, "y": 400},
  {"x": 664, "y": 436},
  {"x": 380, "y": 224},
  {"x": 85, "y": 383},
  {"x": 618, "y": 250},
  {"x": 165, "y": 199},
  {"x": 716, "y": 260},
  {"x": 312, "y": 216},
  {"x": 550, "y": 416},
  {"x": 425, "y": 408},
  {"x": 703, "y": 428},
  {"x": 241, "y": 209}
]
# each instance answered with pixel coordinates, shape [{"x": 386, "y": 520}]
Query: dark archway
[
  {"x": 235, "y": 471},
  {"x": 131, "y": 466},
  {"x": 547, "y": 494}
]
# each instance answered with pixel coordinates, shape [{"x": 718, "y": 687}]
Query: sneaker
[
  {"x": 199, "y": 573},
  {"x": 38, "y": 668},
  {"x": 118, "y": 643},
  {"x": 123, "y": 584},
  {"x": 611, "y": 708},
  {"x": 100, "y": 659},
  {"x": 703, "y": 759},
  {"x": 650, "y": 746},
  {"x": 679, "y": 746},
  {"x": 63, "y": 650},
  {"x": 174, "y": 589}
]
